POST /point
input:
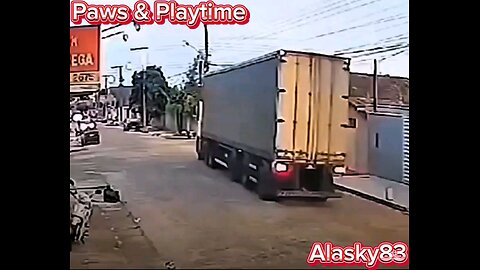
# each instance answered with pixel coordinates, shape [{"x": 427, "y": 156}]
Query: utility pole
[
  {"x": 206, "y": 65},
  {"x": 202, "y": 66},
  {"x": 375, "y": 85},
  {"x": 105, "y": 107},
  {"x": 120, "y": 74},
  {"x": 106, "y": 83},
  {"x": 144, "y": 96}
]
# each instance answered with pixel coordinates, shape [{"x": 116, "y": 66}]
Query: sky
[{"x": 323, "y": 26}]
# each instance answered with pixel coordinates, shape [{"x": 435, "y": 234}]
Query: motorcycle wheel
[{"x": 73, "y": 232}]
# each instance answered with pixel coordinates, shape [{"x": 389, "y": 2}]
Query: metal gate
[{"x": 406, "y": 149}]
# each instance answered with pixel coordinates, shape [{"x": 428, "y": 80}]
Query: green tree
[
  {"x": 185, "y": 99},
  {"x": 157, "y": 91}
]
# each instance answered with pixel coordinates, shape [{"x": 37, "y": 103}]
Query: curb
[
  {"x": 77, "y": 149},
  {"x": 369, "y": 197},
  {"x": 173, "y": 137}
]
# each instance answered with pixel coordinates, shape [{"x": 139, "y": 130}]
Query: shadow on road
[
  {"x": 77, "y": 150},
  {"x": 305, "y": 202},
  {"x": 291, "y": 201},
  {"x": 178, "y": 138}
]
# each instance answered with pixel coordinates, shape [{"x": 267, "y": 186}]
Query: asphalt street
[{"x": 198, "y": 218}]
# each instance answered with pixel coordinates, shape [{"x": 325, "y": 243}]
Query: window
[
  {"x": 352, "y": 122},
  {"x": 376, "y": 140}
]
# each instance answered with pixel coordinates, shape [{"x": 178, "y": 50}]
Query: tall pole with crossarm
[{"x": 144, "y": 96}]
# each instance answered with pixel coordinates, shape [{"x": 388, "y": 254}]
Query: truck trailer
[{"x": 277, "y": 123}]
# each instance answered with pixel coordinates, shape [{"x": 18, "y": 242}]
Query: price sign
[{"x": 84, "y": 78}]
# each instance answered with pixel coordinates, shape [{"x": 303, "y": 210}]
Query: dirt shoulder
[{"x": 115, "y": 242}]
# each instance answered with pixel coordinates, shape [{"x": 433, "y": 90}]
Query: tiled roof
[{"x": 391, "y": 90}]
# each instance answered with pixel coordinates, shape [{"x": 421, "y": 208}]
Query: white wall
[
  {"x": 357, "y": 148},
  {"x": 169, "y": 123}
]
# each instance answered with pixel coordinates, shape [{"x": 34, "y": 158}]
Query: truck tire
[
  {"x": 210, "y": 158},
  {"x": 266, "y": 187},
  {"x": 235, "y": 167},
  {"x": 200, "y": 154}
]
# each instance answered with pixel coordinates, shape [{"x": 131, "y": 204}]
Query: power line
[
  {"x": 382, "y": 20},
  {"x": 372, "y": 49},
  {"x": 382, "y": 55},
  {"x": 294, "y": 19},
  {"x": 242, "y": 47},
  {"x": 306, "y": 20},
  {"x": 382, "y": 51},
  {"x": 398, "y": 37},
  {"x": 111, "y": 27},
  {"x": 382, "y": 11},
  {"x": 363, "y": 16},
  {"x": 326, "y": 16},
  {"x": 266, "y": 36},
  {"x": 391, "y": 26},
  {"x": 394, "y": 54},
  {"x": 261, "y": 48}
]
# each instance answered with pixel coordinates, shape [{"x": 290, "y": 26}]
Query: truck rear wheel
[
  {"x": 235, "y": 167},
  {"x": 210, "y": 158},
  {"x": 266, "y": 188}
]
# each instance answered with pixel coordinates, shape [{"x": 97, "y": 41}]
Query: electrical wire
[
  {"x": 372, "y": 49},
  {"x": 293, "y": 19},
  {"x": 382, "y": 11},
  {"x": 295, "y": 26},
  {"x": 398, "y": 37},
  {"x": 381, "y": 56},
  {"x": 380, "y": 51},
  {"x": 394, "y": 54},
  {"x": 392, "y": 26},
  {"x": 382, "y": 20}
]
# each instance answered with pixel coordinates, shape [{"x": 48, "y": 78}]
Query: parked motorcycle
[
  {"x": 86, "y": 129},
  {"x": 81, "y": 208}
]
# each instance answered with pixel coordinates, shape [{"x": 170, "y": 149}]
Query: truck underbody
[{"x": 271, "y": 179}]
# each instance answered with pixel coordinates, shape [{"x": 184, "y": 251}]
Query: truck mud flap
[{"x": 308, "y": 194}]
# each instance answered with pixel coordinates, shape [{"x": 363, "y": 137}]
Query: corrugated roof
[
  {"x": 391, "y": 89},
  {"x": 362, "y": 104}
]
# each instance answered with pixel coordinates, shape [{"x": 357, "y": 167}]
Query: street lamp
[
  {"x": 202, "y": 64},
  {"x": 144, "y": 67},
  {"x": 106, "y": 77},
  {"x": 120, "y": 74},
  {"x": 105, "y": 107},
  {"x": 187, "y": 44}
]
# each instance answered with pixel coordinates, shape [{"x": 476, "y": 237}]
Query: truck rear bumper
[{"x": 308, "y": 194}]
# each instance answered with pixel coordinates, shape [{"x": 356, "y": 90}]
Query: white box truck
[{"x": 277, "y": 123}]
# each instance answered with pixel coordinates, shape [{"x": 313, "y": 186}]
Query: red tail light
[{"x": 282, "y": 171}]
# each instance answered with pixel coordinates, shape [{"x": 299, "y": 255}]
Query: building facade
[
  {"x": 378, "y": 143},
  {"x": 379, "y": 136}
]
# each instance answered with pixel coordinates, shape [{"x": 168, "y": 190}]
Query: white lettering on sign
[
  {"x": 82, "y": 59},
  {"x": 84, "y": 78}
]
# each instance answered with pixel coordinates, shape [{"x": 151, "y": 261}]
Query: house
[
  {"x": 378, "y": 137},
  {"x": 122, "y": 101}
]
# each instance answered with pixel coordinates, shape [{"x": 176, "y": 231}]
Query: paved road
[{"x": 199, "y": 219}]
